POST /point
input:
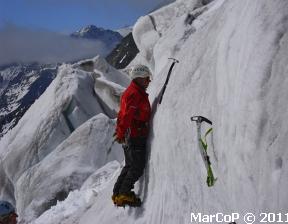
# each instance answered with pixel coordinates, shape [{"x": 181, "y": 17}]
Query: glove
[{"x": 117, "y": 139}]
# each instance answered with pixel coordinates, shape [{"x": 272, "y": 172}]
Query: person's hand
[{"x": 117, "y": 139}]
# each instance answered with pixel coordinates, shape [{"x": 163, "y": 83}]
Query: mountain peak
[
  {"x": 108, "y": 37},
  {"x": 98, "y": 33},
  {"x": 91, "y": 28}
]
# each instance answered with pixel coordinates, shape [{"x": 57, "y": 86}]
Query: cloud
[{"x": 19, "y": 44}]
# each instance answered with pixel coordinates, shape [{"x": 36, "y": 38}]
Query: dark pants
[{"x": 135, "y": 156}]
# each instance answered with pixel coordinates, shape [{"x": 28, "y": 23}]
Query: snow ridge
[{"x": 39, "y": 145}]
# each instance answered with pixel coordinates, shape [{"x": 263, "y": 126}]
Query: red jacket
[{"x": 134, "y": 114}]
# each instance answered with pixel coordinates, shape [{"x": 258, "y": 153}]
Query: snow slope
[
  {"x": 233, "y": 66},
  {"x": 50, "y": 139},
  {"x": 20, "y": 86},
  {"x": 66, "y": 167},
  {"x": 125, "y": 30}
]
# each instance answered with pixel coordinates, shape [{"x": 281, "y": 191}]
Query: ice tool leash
[{"x": 203, "y": 148}]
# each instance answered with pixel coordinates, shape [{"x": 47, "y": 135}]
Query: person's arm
[{"x": 130, "y": 109}]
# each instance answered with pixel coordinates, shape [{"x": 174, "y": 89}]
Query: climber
[
  {"x": 132, "y": 131},
  {"x": 7, "y": 213}
]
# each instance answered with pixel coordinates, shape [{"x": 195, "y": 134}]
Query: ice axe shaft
[{"x": 167, "y": 79}]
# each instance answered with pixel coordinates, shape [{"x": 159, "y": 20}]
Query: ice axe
[
  {"x": 167, "y": 79},
  {"x": 200, "y": 119},
  {"x": 202, "y": 143}
]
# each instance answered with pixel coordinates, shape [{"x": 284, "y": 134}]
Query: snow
[
  {"x": 125, "y": 30},
  {"x": 123, "y": 58},
  {"x": 7, "y": 75},
  {"x": 79, "y": 201},
  {"x": 232, "y": 70},
  {"x": 150, "y": 28},
  {"x": 17, "y": 93},
  {"x": 108, "y": 84},
  {"x": 53, "y": 125},
  {"x": 92, "y": 138}
]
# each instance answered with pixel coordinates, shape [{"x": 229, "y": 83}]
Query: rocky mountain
[
  {"x": 123, "y": 53},
  {"x": 20, "y": 86},
  {"x": 108, "y": 37}
]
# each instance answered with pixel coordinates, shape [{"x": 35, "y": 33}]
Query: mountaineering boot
[
  {"x": 114, "y": 196},
  {"x": 128, "y": 198}
]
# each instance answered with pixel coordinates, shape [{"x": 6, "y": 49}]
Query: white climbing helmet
[{"x": 140, "y": 71}]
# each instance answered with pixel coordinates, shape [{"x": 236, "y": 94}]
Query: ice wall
[{"x": 232, "y": 70}]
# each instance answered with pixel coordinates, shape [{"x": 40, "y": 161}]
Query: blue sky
[
  {"x": 38, "y": 30},
  {"x": 66, "y": 16}
]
